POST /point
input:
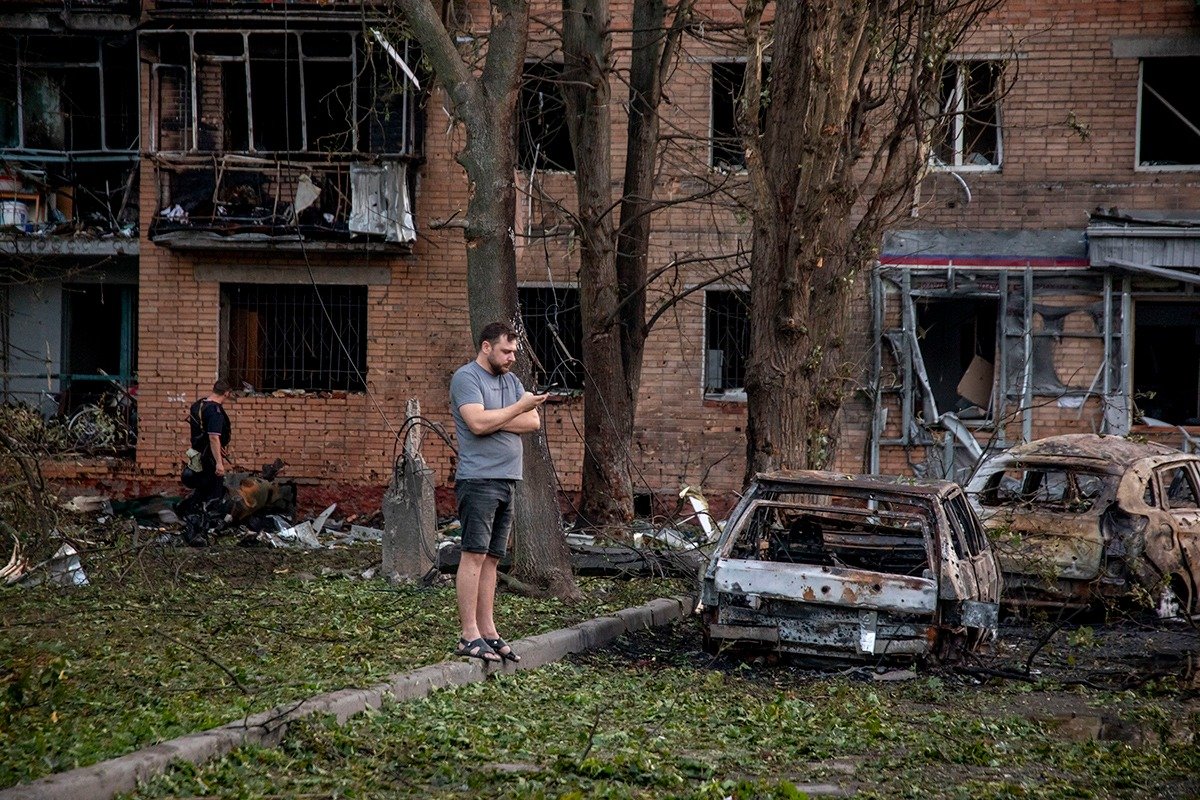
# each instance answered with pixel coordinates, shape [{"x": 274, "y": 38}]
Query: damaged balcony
[
  {"x": 68, "y": 145},
  {"x": 282, "y": 140}
]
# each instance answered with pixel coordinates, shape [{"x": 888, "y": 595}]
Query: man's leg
[
  {"x": 467, "y": 586},
  {"x": 486, "y": 598}
]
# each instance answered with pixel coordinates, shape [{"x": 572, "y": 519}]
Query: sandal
[
  {"x": 498, "y": 646},
  {"x": 477, "y": 648}
]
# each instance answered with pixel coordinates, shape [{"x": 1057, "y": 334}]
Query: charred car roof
[
  {"x": 868, "y": 483},
  {"x": 1106, "y": 453}
]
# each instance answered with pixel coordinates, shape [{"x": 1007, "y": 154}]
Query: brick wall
[{"x": 1066, "y": 82}]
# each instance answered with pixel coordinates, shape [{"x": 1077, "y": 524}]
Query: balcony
[{"x": 271, "y": 139}]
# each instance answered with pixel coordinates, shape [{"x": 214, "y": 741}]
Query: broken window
[
  {"x": 283, "y": 91},
  {"x": 312, "y": 338},
  {"x": 1166, "y": 362},
  {"x": 967, "y": 133},
  {"x": 100, "y": 341},
  {"x": 1180, "y": 486},
  {"x": 1169, "y": 113},
  {"x": 1052, "y": 489},
  {"x": 727, "y": 151},
  {"x": 68, "y": 93},
  {"x": 726, "y": 341},
  {"x": 554, "y": 326},
  {"x": 543, "y": 140},
  {"x": 889, "y": 540},
  {"x": 957, "y": 337}
]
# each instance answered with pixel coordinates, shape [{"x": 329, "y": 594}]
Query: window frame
[
  {"x": 540, "y": 163},
  {"x": 956, "y": 117},
  {"x": 23, "y": 67},
  {"x": 357, "y": 374},
  {"x": 1138, "y": 166},
  {"x": 364, "y": 70},
  {"x": 734, "y": 394},
  {"x": 561, "y": 390}
]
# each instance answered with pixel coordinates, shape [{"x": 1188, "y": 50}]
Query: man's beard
[{"x": 498, "y": 367}]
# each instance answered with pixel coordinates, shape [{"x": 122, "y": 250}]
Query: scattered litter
[
  {"x": 703, "y": 517},
  {"x": 319, "y": 523},
  {"x": 368, "y": 574},
  {"x": 85, "y": 504},
  {"x": 17, "y": 565},
  {"x": 62, "y": 569},
  {"x": 895, "y": 675}
]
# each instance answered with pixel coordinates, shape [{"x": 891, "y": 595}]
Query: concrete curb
[{"x": 108, "y": 778}]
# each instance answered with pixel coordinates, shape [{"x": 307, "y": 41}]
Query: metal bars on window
[
  {"x": 726, "y": 340},
  {"x": 554, "y": 327},
  {"x": 303, "y": 337}
]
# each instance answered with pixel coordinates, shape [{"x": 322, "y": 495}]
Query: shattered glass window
[
  {"x": 543, "y": 140},
  {"x": 302, "y": 337},
  {"x": 967, "y": 131},
  {"x": 1055, "y": 489},
  {"x": 554, "y": 327},
  {"x": 891, "y": 541},
  {"x": 726, "y": 341},
  {"x": 1181, "y": 488}
]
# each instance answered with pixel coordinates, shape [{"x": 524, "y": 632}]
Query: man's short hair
[
  {"x": 221, "y": 387},
  {"x": 492, "y": 332}
]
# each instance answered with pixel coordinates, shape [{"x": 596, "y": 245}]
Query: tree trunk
[
  {"x": 842, "y": 144},
  {"x": 613, "y": 282},
  {"x": 486, "y": 105},
  {"x": 607, "y": 497}
]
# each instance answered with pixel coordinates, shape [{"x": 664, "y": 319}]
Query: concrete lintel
[
  {"x": 299, "y": 274},
  {"x": 25, "y": 245},
  {"x": 1155, "y": 46}
]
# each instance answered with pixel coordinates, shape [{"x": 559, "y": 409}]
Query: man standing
[
  {"x": 491, "y": 410},
  {"x": 210, "y": 431}
]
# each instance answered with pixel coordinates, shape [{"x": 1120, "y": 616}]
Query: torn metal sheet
[{"x": 379, "y": 201}]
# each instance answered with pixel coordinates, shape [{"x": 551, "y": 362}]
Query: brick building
[{"x": 205, "y": 187}]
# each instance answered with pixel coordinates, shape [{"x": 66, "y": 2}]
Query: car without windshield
[
  {"x": 851, "y": 567},
  {"x": 1079, "y": 519}
]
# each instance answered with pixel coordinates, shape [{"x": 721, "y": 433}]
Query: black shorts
[{"x": 485, "y": 511}]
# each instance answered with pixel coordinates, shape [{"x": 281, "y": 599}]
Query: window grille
[
  {"x": 553, "y": 322},
  {"x": 726, "y": 340},
  {"x": 295, "y": 337}
]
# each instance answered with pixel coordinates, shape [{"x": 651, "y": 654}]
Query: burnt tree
[
  {"x": 842, "y": 144},
  {"x": 485, "y": 104}
]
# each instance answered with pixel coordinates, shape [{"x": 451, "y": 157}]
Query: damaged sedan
[
  {"x": 1080, "y": 519},
  {"x": 851, "y": 567}
]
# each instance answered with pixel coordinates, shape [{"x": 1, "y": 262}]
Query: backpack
[{"x": 196, "y": 420}]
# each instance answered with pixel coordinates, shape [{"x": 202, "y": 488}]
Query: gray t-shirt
[{"x": 497, "y": 455}]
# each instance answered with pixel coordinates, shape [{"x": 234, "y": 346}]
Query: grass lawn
[
  {"x": 651, "y": 717},
  {"x": 170, "y": 641}
]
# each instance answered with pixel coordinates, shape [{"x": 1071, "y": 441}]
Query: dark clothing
[
  {"x": 485, "y": 510},
  {"x": 207, "y": 417}
]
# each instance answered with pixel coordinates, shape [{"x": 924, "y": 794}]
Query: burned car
[
  {"x": 1079, "y": 518},
  {"x": 851, "y": 567}
]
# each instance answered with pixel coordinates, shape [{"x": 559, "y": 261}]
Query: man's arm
[
  {"x": 214, "y": 445},
  {"x": 482, "y": 422},
  {"x": 528, "y": 422}
]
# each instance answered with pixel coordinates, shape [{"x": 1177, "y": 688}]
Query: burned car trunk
[
  {"x": 857, "y": 567},
  {"x": 1080, "y": 519}
]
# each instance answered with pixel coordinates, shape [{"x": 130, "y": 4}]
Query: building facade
[{"x": 195, "y": 188}]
